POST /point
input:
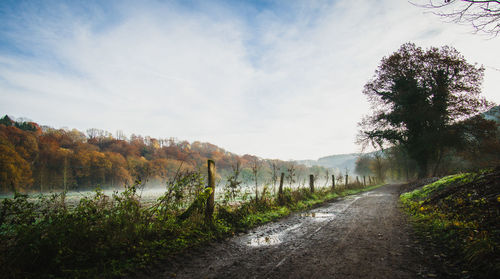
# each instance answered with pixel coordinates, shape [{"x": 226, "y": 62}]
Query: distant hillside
[
  {"x": 493, "y": 114},
  {"x": 339, "y": 162}
]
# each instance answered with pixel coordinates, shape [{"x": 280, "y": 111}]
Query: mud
[{"x": 361, "y": 236}]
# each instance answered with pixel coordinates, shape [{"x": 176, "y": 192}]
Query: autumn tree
[
  {"x": 15, "y": 172},
  {"x": 117, "y": 175},
  {"x": 51, "y": 159},
  {"x": 420, "y": 99}
]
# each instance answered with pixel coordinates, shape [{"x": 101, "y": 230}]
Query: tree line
[{"x": 37, "y": 158}]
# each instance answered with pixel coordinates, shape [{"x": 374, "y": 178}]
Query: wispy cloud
[{"x": 268, "y": 79}]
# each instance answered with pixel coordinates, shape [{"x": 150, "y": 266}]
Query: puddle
[
  {"x": 376, "y": 195},
  {"x": 270, "y": 239},
  {"x": 264, "y": 241},
  {"x": 277, "y": 233},
  {"x": 317, "y": 215}
]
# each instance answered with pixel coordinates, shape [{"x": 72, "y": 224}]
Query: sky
[{"x": 276, "y": 79}]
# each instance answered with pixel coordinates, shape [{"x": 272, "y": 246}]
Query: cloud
[{"x": 272, "y": 80}]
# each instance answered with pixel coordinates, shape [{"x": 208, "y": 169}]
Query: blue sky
[{"x": 279, "y": 79}]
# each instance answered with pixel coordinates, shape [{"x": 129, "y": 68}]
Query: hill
[
  {"x": 339, "y": 162},
  {"x": 493, "y": 114},
  {"x": 37, "y": 158}
]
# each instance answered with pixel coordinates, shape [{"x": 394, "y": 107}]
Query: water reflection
[
  {"x": 264, "y": 240},
  {"x": 317, "y": 215}
]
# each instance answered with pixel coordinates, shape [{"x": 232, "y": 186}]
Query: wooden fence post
[
  {"x": 209, "y": 212},
  {"x": 311, "y": 182},
  {"x": 333, "y": 182},
  {"x": 346, "y": 179}
]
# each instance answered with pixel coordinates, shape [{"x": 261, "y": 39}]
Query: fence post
[
  {"x": 280, "y": 190},
  {"x": 346, "y": 180},
  {"x": 333, "y": 182},
  {"x": 364, "y": 180},
  {"x": 311, "y": 182},
  {"x": 209, "y": 212}
]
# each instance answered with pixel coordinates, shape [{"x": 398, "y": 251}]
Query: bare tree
[
  {"x": 92, "y": 133},
  {"x": 291, "y": 173},
  {"x": 120, "y": 135},
  {"x": 233, "y": 184},
  {"x": 300, "y": 171},
  {"x": 273, "y": 166},
  {"x": 483, "y": 15},
  {"x": 256, "y": 165},
  {"x": 339, "y": 177}
]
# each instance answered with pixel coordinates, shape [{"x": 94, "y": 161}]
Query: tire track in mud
[
  {"x": 360, "y": 236},
  {"x": 313, "y": 214}
]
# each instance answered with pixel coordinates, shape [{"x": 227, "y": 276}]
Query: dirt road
[{"x": 361, "y": 236}]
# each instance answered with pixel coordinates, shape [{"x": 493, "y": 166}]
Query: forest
[{"x": 37, "y": 158}]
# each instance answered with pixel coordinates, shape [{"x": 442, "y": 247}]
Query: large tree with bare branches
[{"x": 484, "y": 15}]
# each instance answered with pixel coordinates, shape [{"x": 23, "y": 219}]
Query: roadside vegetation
[
  {"x": 111, "y": 236},
  {"x": 460, "y": 214}
]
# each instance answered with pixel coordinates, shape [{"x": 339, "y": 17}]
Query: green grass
[
  {"x": 460, "y": 213},
  {"x": 437, "y": 186}
]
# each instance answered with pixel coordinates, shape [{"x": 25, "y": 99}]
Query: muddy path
[{"x": 360, "y": 236}]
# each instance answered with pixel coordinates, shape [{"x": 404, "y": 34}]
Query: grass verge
[{"x": 460, "y": 214}]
